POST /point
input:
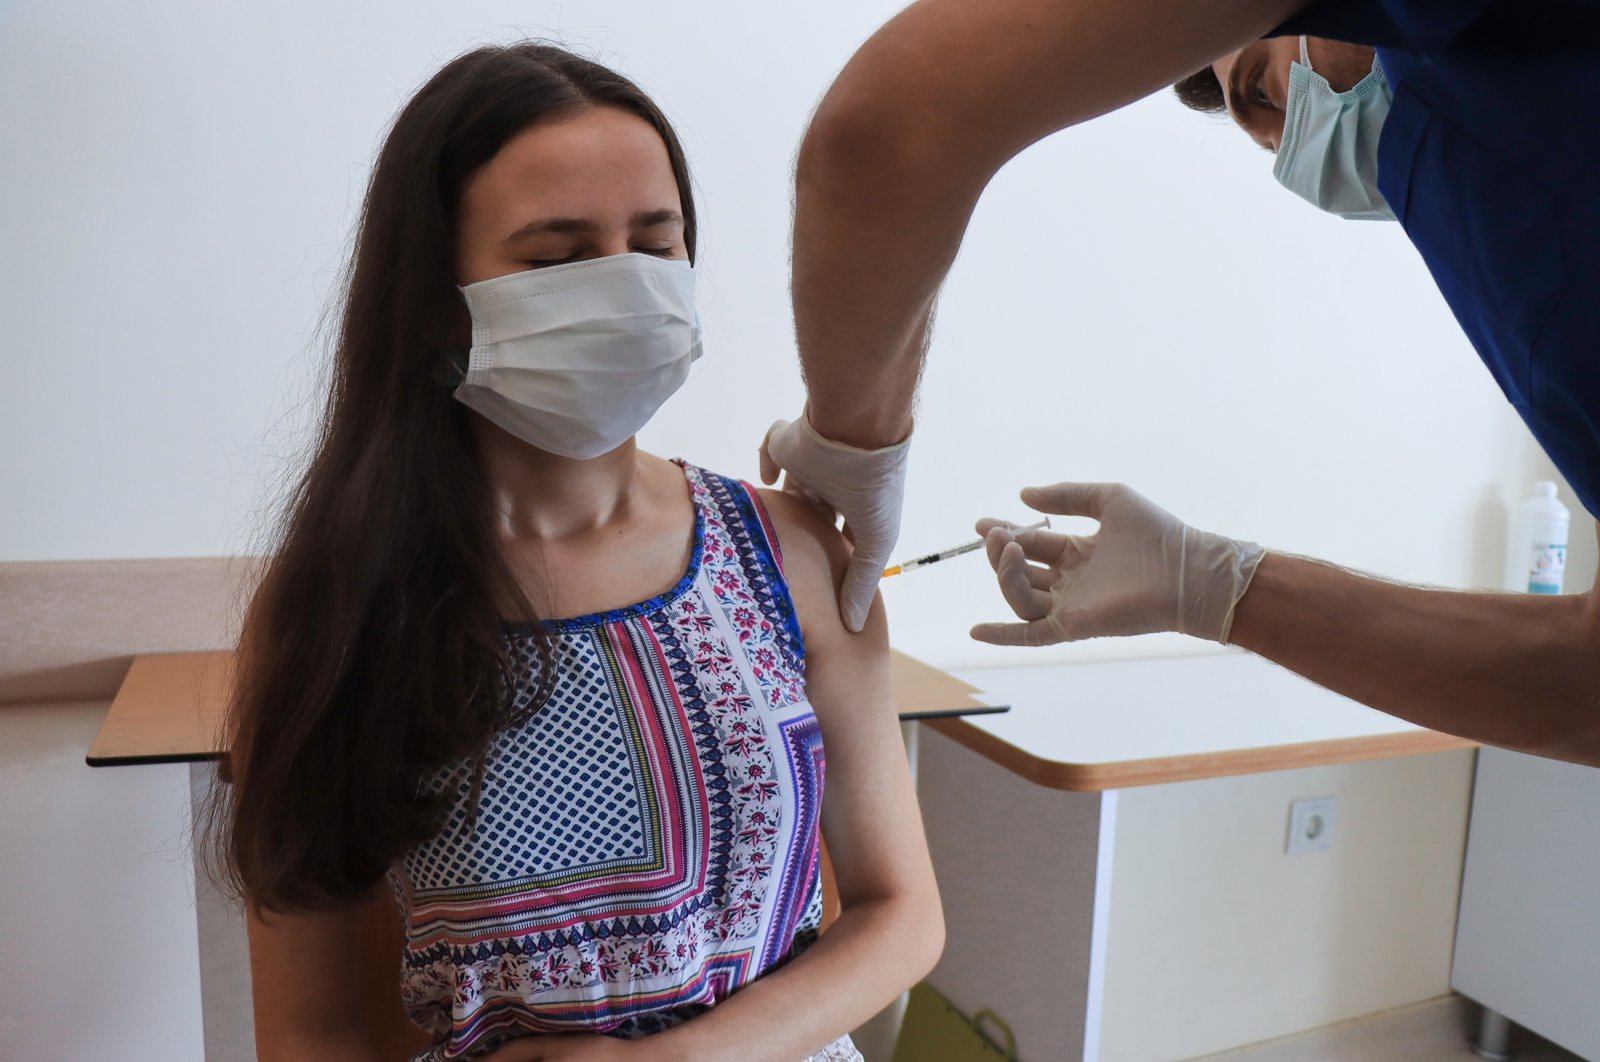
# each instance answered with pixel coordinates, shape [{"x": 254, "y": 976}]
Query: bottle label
[{"x": 1547, "y": 564}]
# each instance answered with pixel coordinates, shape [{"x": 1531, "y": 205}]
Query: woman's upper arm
[
  {"x": 305, "y": 973},
  {"x": 870, "y": 816}
]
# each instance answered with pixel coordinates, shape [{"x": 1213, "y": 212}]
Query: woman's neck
[{"x": 544, "y": 497}]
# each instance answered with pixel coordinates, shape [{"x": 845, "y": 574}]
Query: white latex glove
[
  {"x": 866, "y": 487},
  {"x": 1143, "y": 571}
]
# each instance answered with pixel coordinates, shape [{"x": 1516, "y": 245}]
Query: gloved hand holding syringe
[{"x": 956, "y": 551}]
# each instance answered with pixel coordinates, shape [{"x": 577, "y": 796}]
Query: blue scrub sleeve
[
  {"x": 1551, "y": 27},
  {"x": 1426, "y": 25}
]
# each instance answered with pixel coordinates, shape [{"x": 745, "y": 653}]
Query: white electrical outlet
[{"x": 1310, "y": 826}]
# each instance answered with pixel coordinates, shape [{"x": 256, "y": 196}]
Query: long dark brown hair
[{"x": 371, "y": 653}]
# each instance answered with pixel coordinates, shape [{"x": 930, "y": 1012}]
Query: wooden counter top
[
  {"x": 1116, "y": 724},
  {"x": 170, "y": 706},
  {"x": 168, "y": 709}
]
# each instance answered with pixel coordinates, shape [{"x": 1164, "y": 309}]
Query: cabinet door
[{"x": 1528, "y": 939}]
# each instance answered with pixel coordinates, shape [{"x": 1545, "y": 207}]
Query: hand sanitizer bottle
[{"x": 1537, "y": 558}]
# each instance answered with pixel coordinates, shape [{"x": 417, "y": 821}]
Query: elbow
[
  {"x": 1577, "y": 740},
  {"x": 1565, "y": 722},
  {"x": 907, "y": 930},
  {"x": 922, "y": 933},
  {"x": 864, "y": 145},
  {"x": 838, "y": 145},
  {"x": 920, "y": 960},
  {"x": 932, "y": 935}
]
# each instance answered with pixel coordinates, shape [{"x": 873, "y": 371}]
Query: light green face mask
[{"x": 1329, "y": 152}]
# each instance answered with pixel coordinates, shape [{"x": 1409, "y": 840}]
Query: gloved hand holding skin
[
  {"x": 866, "y": 487},
  {"x": 1143, "y": 571}
]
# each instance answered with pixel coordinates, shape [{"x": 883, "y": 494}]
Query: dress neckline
[{"x": 638, "y": 608}]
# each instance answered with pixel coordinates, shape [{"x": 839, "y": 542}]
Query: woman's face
[{"x": 592, "y": 185}]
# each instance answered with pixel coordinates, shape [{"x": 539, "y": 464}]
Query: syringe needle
[{"x": 956, "y": 551}]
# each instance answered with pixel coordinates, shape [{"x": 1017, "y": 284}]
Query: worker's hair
[
  {"x": 1201, "y": 91},
  {"x": 372, "y": 652}
]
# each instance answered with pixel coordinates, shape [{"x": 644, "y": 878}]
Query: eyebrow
[
  {"x": 643, "y": 220},
  {"x": 1235, "y": 93}
]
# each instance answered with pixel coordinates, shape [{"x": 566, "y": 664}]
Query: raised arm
[
  {"x": 900, "y": 149},
  {"x": 911, "y": 133}
]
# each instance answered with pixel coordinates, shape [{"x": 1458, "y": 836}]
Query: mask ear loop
[
  {"x": 1305, "y": 56},
  {"x": 450, "y": 367}
]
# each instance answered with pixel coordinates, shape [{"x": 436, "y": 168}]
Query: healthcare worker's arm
[
  {"x": 900, "y": 149},
  {"x": 1521, "y": 671},
  {"x": 1517, "y": 670}
]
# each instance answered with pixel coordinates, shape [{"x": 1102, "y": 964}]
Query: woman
[{"x": 602, "y": 824}]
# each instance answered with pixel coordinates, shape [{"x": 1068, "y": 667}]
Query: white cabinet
[{"x": 1528, "y": 941}]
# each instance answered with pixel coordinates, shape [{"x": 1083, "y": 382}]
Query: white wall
[
  {"x": 1136, "y": 300},
  {"x": 98, "y": 947},
  {"x": 1218, "y": 939}
]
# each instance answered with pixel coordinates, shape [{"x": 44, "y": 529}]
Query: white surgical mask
[
  {"x": 575, "y": 359},
  {"x": 1329, "y": 153}
]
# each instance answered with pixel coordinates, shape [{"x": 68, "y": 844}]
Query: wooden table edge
[
  {"x": 1126, "y": 774},
  {"x": 143, "y": 760},
  {"x": 161, "y": 686}
]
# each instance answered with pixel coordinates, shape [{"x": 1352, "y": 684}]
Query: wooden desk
[
  {"x": 168, "y": 709},
  {"x": 170, "y": 706},
  {"x": 1024, "y": 828},
  {"x": 1119, "y": 724}
]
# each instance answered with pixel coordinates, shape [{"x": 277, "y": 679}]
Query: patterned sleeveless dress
[{"x": 646, "y": 843}]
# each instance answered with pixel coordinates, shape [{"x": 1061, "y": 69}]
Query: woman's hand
[{"x": 577, "y": 1048}]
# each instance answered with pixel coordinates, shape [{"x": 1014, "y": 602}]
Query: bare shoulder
[
  {"x": 815, "y": 556},
  {"x": 815, "y": 559}
]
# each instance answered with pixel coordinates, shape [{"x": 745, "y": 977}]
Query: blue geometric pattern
[
  {"x": 802, "y": 872},
  {"x": 719, "y": 823},
  {"x": 559, "y": 794},
  {"x": 762, "y": 569}
]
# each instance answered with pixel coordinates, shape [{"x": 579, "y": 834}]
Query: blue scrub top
[{"x": 1490, "y": 158}]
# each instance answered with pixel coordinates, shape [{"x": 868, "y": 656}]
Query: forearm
[
  {"x": 877, "y": 225},
  {"x": 871, "y": 954},
  {"x": 872, "y": 245},
  {"x": 1520, "y": 671}
]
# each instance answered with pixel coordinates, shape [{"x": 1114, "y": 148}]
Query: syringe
[{"x": 934, "y": 558}]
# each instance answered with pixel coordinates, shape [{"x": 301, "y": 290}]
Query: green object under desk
[{"x": 935, "y": 1031}]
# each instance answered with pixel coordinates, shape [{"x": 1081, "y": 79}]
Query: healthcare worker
[{"x": 1478, "y": 129}]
